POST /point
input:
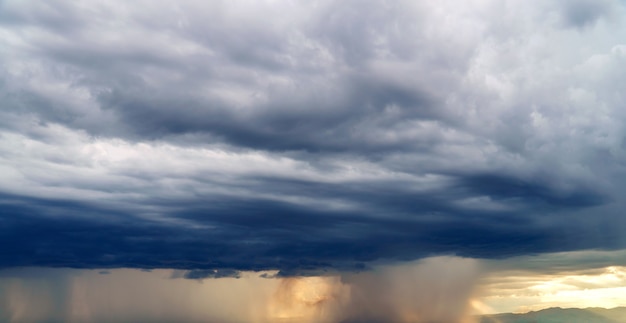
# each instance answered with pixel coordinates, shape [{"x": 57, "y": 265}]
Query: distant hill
[{"x": 561, "y": 315}]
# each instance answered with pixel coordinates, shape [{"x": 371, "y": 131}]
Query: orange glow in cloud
[{"x": 307, "y": 299}]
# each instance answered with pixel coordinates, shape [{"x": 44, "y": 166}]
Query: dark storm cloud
[
  {"x": 211, "y": 273},
  {"x": 537, "y": 192},
  {"x": 581, "y": 13},
  {"x": 257, "y": 235},
  {"x": 584, "y": 262},
  {"x": 310, "y": 136}
]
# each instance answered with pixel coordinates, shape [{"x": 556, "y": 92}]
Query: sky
[{"x": 341, "y": 148}]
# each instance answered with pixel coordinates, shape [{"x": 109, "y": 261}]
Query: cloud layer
[{"x": 308, "y": 136}]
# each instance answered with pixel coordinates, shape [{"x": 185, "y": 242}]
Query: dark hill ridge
[{"x": 561, "y": 315}]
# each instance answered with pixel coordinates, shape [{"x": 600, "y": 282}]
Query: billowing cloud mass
[{"x": 308, "y": 137}]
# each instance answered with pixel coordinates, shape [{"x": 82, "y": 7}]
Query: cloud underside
[
  {"x": 308, "y": 136},
  {"x": 261, "y": 235}
]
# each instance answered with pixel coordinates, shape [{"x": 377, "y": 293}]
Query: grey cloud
[{"x": 144, "y": 88}]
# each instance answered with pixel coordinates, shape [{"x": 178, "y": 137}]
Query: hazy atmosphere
[{"x": 310, "y": 161}]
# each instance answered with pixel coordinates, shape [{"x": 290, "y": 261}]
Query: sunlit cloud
[{"x": 579, "y": 279}]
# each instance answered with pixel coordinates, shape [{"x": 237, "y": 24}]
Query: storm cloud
[{"x": 308, "y": 136}]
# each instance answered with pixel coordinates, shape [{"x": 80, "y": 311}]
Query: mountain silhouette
[{"x": 561, "y": 315}]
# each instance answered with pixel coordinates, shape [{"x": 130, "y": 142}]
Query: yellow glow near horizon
[{"x": 523, "y": 292}]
